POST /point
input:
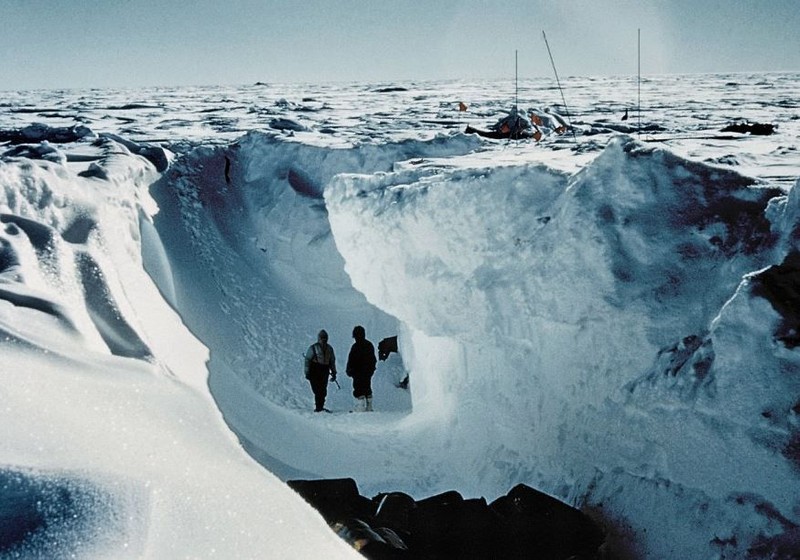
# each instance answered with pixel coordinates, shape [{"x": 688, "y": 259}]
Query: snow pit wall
[
  {"x": 535, "y": 310},
  {"x": 559, "y": 297},
  {"x": 258, "y": 226},
  {"x": 108, "y": 453}
]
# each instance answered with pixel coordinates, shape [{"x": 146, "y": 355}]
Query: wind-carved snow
[
  {"x": 112, "y": 444},
  {"x": 601, "y": 334},
  {"x": 611, "y": 324}
]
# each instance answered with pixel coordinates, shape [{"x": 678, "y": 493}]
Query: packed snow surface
[{"x": 594, "y": 315}]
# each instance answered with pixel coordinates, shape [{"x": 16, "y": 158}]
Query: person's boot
[
  {"x": 360, "y": 405},
  {"x": 368, "y": 404}
]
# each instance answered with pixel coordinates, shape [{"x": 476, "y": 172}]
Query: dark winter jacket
[{"x": 361, "y": 361}]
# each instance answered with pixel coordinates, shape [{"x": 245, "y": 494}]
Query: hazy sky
[{"x": 102, "y": 43}]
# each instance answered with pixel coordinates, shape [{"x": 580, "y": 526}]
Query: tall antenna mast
[
  {"x": 566, "y": 110},
  {"x": 639, "y": 76},
  {"x": 516, "y": 79}
]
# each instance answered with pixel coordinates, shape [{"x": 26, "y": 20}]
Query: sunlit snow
[{"x": 586, "y": 315}]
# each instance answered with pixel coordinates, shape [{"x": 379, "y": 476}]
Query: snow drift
[
  {"x": 603, "y": 336},
  {"x": 112, "y": 446},
  {"x": 618, "y": 337}
]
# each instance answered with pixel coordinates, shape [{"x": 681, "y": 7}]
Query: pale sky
[{"x": 120, "y": 43}]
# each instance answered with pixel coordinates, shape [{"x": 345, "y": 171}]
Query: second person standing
[{"x": 360, "y": 366}]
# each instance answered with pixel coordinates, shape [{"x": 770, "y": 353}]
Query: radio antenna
[
  {"x": 639, "y": 77},
  {"x": 516, "y": 79},
  {"x": 558, "y": 82}
]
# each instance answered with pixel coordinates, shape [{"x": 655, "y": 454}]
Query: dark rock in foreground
[{"x": 525, "y": 523}]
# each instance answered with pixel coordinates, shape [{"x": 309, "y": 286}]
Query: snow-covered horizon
[
  {"x": 587, "y": 315},
  {"x": 394, "y": 83}
]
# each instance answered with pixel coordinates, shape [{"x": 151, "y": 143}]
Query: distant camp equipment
[{"x": 515, "y": 125}]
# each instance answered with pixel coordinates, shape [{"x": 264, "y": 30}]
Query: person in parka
[
  {"x": 320, "y": 361},
  {"x": 360, "y": 366}
]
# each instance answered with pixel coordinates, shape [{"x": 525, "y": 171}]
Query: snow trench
[
  {"x": 622, "y": 337},
  {"x": 593, "y": 335}
]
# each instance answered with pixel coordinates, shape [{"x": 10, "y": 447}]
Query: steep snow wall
[
  {"x": 112, "y": 445},
  {"x": 581, "y": 333},
  {"x": 255, "y": 270},
  {"x": 623, "y": 338},
  {"x": 596, "y": 332}
]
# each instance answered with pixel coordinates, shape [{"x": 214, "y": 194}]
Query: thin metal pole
[
  {"x": 639, "y": 76},
  {"x": 516, "y": 79},
  {"x": 566, "y": 109}
]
